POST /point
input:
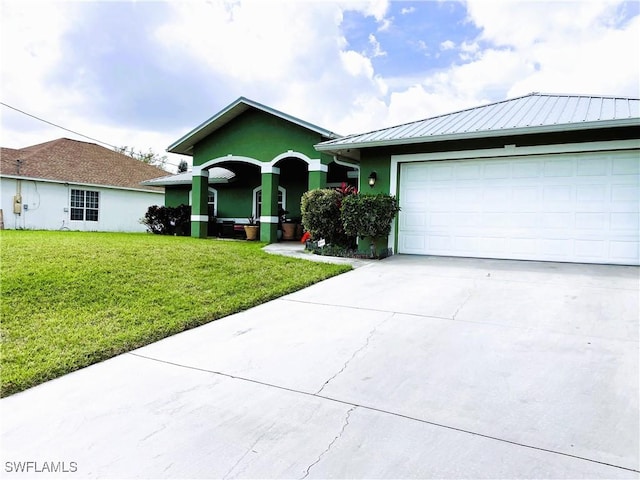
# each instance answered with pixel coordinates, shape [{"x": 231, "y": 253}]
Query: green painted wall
[
  {"x": 258, "y": 135},
  {"x": 379, "y": 162},
  {"x": 178, "y": 195}
]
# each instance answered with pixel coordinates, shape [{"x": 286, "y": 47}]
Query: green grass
[{"x": 70, "y": 299}]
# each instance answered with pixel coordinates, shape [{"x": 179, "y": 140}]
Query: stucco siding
[
  {"x": 256, "y": 135},
  {"x": 46, "y": 206}
]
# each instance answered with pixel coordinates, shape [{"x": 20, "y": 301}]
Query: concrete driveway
[{"x": 405, "y": 368}]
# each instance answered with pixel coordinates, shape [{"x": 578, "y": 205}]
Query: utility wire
[{"x": 73, "y": 131}]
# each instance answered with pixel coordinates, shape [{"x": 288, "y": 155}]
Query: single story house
[
  {"x": 539, "y": 177},
  {"x": 250, "y": 160},
  {"x": 74, "y": 185}
]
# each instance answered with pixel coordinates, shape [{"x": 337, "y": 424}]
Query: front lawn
[{"x": 70, "y": 299}]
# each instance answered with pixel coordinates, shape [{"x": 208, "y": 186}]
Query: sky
[{"x": 144, "y": 73}]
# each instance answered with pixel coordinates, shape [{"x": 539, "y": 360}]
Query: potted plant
[
  {"x": 252, "y": 229},
  {"x": 288, "y": 230},
  {"x": 282, "y": 213}
]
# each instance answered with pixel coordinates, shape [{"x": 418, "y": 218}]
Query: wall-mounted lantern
[{"x": 372, "y": 179}]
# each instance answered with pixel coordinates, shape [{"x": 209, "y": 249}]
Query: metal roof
[
  {"x": 532, "y": 113},
  {"x": 185, "y": 144},
  {"x": 216, "y": 175}
]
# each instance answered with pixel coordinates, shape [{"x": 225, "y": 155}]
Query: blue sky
[{"x": 144, "y": 73}]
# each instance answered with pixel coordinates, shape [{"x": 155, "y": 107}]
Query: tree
[
  {"x": 149, "y": 157},
  {"x": 183, "y": 166}
]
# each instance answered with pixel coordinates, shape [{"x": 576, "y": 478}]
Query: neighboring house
[
  {"x": 252, "y": 160},
  {"x": 68, "y": 184},
  {"x": 539, "y": 177}
]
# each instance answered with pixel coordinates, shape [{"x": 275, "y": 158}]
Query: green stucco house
[
  {"x": 250, "y": 160},
  {"x": 548, "y": 177}
]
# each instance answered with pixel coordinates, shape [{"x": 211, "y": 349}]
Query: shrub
[
  {"x": 368, "y": 216},
  {"x": 168, "y": 220},
  {"x": 321, "y": 216}
]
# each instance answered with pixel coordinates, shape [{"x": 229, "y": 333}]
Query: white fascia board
[
  {"x": 514, "y": 151},
  {"x": 90, "y": 185}
]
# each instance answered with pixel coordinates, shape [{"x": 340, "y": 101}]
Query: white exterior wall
[{"x": 48, "y": 206}]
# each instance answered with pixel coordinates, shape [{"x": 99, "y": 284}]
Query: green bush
[
  {"x": 368, "y": 216},
  {"x": 168, "y": 220},
  {"x": 321, "y": 216}
]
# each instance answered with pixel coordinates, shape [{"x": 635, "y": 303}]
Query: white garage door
[{"x": 570, "y": 208}]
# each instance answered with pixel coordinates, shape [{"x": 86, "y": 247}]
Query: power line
[{"x": 166, "y": 160}]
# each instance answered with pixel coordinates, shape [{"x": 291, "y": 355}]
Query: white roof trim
[
  {"x": 91, "y": 185},
  {"x": 216, "y": 175}
]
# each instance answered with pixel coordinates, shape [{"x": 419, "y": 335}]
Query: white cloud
[
  {"x": 290, "y": 55},
  {"x": 377, "y": 50},
  {"x": 407, "y": 10},
  {"x": 293, "y": 56},
  {"x": 447, "y": 45},
  {"x": 575, "y": 46},
  {"x": 555, "y": 47}
]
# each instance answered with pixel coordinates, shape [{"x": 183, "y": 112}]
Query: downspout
[{"x": 336, "y": 159}]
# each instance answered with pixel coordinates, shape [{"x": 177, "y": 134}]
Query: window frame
[
  {"x": 257, "y": 205},
  {"x": 84, "y": 205}
]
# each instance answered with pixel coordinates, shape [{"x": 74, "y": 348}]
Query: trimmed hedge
[
  {"x": 367, "y": 215},
  {"x": 321, "y": 216},
  {"x": 168, "y": 220}
]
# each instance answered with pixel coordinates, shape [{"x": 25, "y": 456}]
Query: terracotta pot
[
  {"x": 288, "y": 231},
  {"x": 252, "y": 231}
]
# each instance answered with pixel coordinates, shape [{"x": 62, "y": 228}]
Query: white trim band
[
  {"x": 269, "y": 169},
  {"x": 199, "y": 218},
  {"x": 268, "y": 219},
  {"x": 200, "y": 172},
  {"x": 315, "y": 165}
]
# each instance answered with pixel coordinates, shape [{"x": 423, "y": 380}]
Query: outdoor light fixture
[{"x": 372, "y": 179}]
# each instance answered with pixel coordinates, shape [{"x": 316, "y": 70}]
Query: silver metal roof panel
[{"x": 533, "y": 113}]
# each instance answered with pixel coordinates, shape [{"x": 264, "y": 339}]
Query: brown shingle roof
[{"x": 78, "y": 162}]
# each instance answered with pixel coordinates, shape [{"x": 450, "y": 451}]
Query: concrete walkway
[
  {"x": 409, "y": 367},
  {"x": 296, "y": 250}
]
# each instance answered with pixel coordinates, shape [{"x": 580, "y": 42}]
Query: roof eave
[{"x": 336, "y": 147}]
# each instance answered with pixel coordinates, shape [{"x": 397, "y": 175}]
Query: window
[
  {"x": 257, "y": 200},
  {"x": 84, "y": 205},
  {"x": 212, "y": 196}
]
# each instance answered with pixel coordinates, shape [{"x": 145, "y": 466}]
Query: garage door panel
[
  {"x": 625, "y": 193},
  {"x": 578, "y": 207},
  {"x": 468, "y": 171},
  {"x": 624, "y": 251},
  {"x": 592, "y": 166},
  {"x": 625, "y": 166},
  {"x": 555, "y": 220},
  {"x": 526, "y": 169},
  {"x": 625, "y": 221},
  {"x": 592, "y": 221},
  {"x": 559, "y": 168}
]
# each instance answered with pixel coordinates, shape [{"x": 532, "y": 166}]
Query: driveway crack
[
  {"x": 464, "y": 302},
  {"x": 366, "y": 344},
  {"x": 335, "y": 439},
  {"x": 249, "y": 450}
]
